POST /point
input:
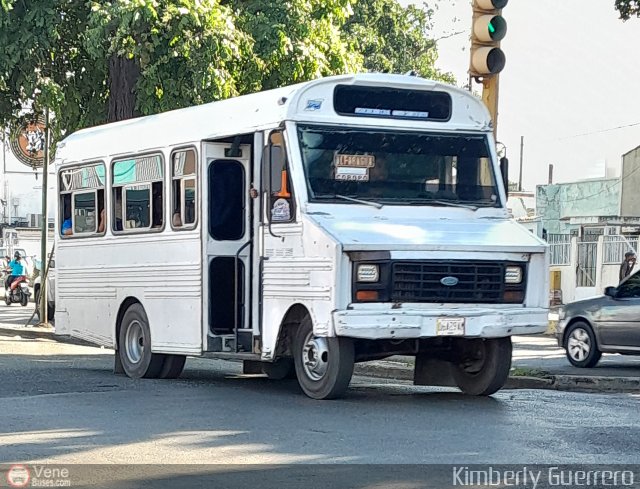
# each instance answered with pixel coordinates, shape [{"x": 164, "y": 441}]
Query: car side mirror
[{"x": 611, "y": 291}]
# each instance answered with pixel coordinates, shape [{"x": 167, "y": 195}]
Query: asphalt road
[{"x": 61, "y": 403}]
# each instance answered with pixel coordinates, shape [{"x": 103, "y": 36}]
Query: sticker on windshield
[
  {"x": 281, "y": 210},
  {"x": 352, "y": 174},
  {"x": 355, "y": 161}
]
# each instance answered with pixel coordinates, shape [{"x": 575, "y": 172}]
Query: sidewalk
[{"x": 538, "y": 363}]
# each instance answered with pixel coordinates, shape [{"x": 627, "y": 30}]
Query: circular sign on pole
[{"x": 27, "y": 140}]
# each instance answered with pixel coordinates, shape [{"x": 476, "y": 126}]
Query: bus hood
[{"x": 433, "y": 234}]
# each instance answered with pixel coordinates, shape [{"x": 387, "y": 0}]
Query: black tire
[
  {"x": 482, "y": 365},
  {"x": 7, "y": 298},
  {"x": 24, "y": 300},
  {"x": 335, "y": 355},
  {"x": 282, "y": 368},
  {"x": 172, "y": 366},
  {"x": 137, "y": 361},
  {"x": 581, "y": 346}
]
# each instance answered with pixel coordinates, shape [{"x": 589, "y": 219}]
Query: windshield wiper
[{"x": 365, "y": 202}]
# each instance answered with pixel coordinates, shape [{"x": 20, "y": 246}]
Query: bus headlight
[
  {"x": 513, "y": 275},
  {"x": 368, "y": 273}
]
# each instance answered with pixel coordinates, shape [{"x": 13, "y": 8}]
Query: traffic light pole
[{"x": 490, "y": 93}]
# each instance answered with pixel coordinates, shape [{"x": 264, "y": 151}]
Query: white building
[{"x": 21, "y": 200}]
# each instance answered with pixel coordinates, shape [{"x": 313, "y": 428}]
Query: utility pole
[
  {"x": 45, "y": 224},
  {"x": 521, "y": 159}
]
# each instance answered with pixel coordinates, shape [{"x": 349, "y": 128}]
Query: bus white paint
[{"x": 300, "y": 229}]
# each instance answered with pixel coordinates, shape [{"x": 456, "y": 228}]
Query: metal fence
[
  {"x": 616, "y": 246},
  {"x": 586, "y": 273},
  {"x": 560, "y": 248}
]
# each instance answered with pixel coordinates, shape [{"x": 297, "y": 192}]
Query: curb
[
  {"x": 548, "y": 381},
  {"x": 35, "y": 333}
]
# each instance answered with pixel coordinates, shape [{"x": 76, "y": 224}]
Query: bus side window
[
  {"x": 66, "y": 227},
  {"x": 277, "y": 180},
  {"x": 82, "y": 200},
  {"x": 117, "y": 209},
  {"x": 138, "y": 193},
  {"x": 184, "y": 189}
]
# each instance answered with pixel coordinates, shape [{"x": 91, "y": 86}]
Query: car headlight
[
  {"x": 513, "y": 275},
  {"x": 562, "y": 314},
  {"x": 368, "y": 273}
]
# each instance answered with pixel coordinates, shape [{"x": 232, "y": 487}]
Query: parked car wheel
[{"x": 580, "y": 345}]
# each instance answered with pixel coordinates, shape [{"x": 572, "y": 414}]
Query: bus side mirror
[{"x": 504, "y": 169}]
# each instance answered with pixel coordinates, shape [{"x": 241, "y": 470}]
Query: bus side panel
[
  {"x": 161, "y": 271},
  {"x": 300, "y": 269}
]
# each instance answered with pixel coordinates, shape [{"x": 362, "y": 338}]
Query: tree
[
  {"x": 297, "y": 40},
  {"x": 95, "y": 61},
  {"x": 43, "y": 61},
  {"x": 628, "y": 8},
  {"x": 394, "y": 39}
]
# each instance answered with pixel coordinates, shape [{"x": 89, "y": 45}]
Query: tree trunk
[{"x": 123, "y": 75}]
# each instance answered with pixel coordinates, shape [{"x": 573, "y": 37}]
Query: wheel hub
[
  {"x": 579, "y": 344},
  {"x": 315, "y": 357},
  {"x": 134, "y": 342}
]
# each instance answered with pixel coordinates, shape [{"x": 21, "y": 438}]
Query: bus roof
[{"x": 247, "y": 113}]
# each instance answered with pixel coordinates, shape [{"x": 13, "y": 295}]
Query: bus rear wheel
[
  {"x": 482, "y": 365},
  {"x": 172, "y": 366},
  {"x": 324, "y": 366},
  {"x": 134, "y": 345}
]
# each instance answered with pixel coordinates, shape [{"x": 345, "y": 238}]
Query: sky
[{"x": 572, "y": 78}]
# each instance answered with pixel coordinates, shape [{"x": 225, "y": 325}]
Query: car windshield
[{"x": 397, "y": 167}]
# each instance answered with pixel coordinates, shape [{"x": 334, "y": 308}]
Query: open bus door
[{"x": 227, "y": 247}]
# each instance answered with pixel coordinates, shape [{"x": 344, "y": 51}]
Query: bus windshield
[{"x": 397, "y": 167}]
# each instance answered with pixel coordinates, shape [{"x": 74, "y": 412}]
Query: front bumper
[{"x": 421, "y": 323}]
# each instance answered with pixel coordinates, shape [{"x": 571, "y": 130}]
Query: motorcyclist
[{"x": 18, "y": 269}]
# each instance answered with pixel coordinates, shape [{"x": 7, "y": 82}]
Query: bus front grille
[{"x": 453, "y": 282}]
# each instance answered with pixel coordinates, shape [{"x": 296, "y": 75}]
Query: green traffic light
[{"x": 492, "y": 29}]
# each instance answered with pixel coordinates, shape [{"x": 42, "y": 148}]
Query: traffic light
[{"x": 489, "y": 28}]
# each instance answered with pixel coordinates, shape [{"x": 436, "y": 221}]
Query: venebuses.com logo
[{"x": 18, "y": 476}]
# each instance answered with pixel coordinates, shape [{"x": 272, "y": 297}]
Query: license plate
[{"x": 450, "y": 327}]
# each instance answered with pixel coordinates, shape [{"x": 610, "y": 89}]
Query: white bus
[{"x": 301, "y": 230}]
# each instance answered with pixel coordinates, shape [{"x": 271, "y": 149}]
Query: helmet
[{"x": 17, "y": 255}]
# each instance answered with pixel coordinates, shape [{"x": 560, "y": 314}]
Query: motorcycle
[{"x": 18, "y": 292}]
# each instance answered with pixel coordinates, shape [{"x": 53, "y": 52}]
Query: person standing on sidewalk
[{"x": 627, "y": 265}]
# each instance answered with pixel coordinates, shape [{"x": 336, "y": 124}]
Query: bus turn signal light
[{"x": 367, "y": 295}]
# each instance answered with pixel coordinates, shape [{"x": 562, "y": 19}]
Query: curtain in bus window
[{"x": 145, "y": 169}]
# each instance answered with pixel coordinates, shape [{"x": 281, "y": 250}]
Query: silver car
[{"x": 604, "y": 324}]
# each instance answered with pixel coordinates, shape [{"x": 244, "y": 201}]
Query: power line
[{"x": 599, "y": 131}]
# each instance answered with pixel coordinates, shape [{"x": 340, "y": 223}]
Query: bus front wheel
[
  {"x": 134, "y": 343},
  {"x": 482, "y": 365},
  {"x": 324, "y": 366}
]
